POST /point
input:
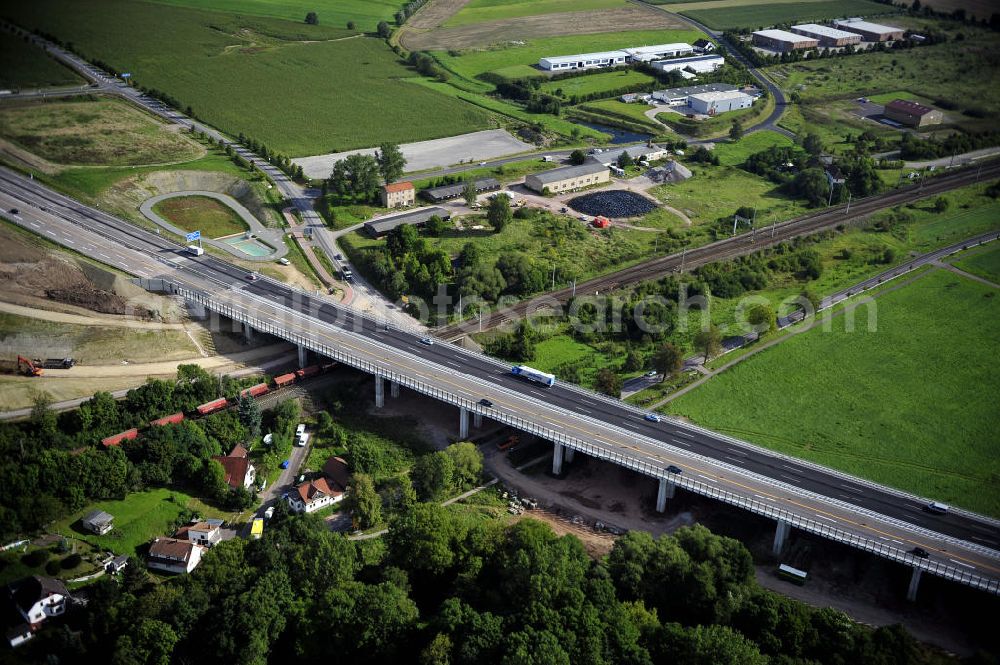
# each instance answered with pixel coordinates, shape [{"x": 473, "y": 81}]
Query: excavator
[{"x": 28, "y": 368}]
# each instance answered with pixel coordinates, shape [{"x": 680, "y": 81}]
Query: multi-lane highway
[{"x": 568, "y": 413}]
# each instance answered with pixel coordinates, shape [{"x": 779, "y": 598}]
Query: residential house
[
  {"x": 116, "y": 565},
  {"x": 98, "y": 521},
  {"x": 834, "y": 176},
  {"x": 313, "y": 495},
  {"x": 703, "y": 46},
  {"x": 174, "y": 556},
  {"x": 38, "y": 598},
  {"x": 398, "y": 195},
  {"x": 239, "y": 471},
  {"x": 207, "y": 532},
  {"x": 336, "y": 471}
]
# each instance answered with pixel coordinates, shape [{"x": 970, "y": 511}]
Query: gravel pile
[{"x": 613, "y": 204}]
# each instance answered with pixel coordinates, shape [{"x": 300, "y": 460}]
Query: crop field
[
  {"x": 925, "y": 73},
  {"x": 366, "y": 13},
  {"x": 26, "y": 66},
  {"x": 596, "y": 83},
  {"x": 93, "y": 133},
  {"x": 982, "y": 263},
  {"x": 192, "y": 213},
  {"x": 478, "y": 11},
  {"x": 766, "y": 14},
  {"x": 138, "y": 519},
  {"x": 473, "y": 63},
  {"x": 864, "y": 401},
  {"x": 258, "y": 76}
]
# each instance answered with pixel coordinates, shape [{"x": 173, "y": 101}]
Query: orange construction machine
[{"x": 28, "y": 368}]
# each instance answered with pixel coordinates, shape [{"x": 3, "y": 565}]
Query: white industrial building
[
  {"x": 584, "y": 61},
  {"x": 713, "y": 103},
  {"x": 699, "y": 64},
  {"x": 560, "y": 63},
  {"x": 870, "y": 32},
  {"x": 679, "y": 96},
  {"x": 827, "y": 36}
]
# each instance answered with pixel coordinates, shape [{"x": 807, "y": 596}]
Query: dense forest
[{"x": 447, "y": 587}]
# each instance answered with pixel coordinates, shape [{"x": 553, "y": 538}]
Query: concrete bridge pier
[
  {"x": 911, "y": 593},
  {"x": 557, "y": 458},
  {"x": 394, "y": 389},
  {"x": 463, "y": 423},
  {"x": 477, "y": 420},
  {"x": 303, "y": 356},
  {"x": 247, "y": 333},
  {"x": 379, "y": 392},
  {"x": 196, "y": 310},
  {"x": 780, "y": 534},
  {"x": 666, "y": 491},
  {"x": 568, "y": 455}
]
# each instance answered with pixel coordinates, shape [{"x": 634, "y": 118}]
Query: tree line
[{"x": 446, "y": 588}]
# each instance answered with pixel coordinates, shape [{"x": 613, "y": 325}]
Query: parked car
[
  {"x": 269, "y": 513},
  {"x": 284, "y": 465},
  {"x": 652, "y": 374},
  {"x": 300, "y": 429},
  {"x": 283, "y": 261},
  {"x": 339, "y": 257},
  {"x": 302, "y": 440}
]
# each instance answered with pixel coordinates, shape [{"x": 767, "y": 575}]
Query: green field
[
  {"x": 767, "y": 14},
  {"x": 479, "y": 11},
  {"x": 200, "y": 213},
  {"x": 366, "y": 13},
  {"x": 983, "y": 263},
  {"x": 26, "y": 66},
  {"x": 139, "y": 518},
  {"x": 915, "y": 411},
  {"x": 93, "y": 133},
  {"x": 735, "y": 153},
  {"x": 596, "y": 83},
  {"x": 616, "y": 113},
  {"x": 473, "y": 63},
  {"x": 297, "y": 88}
]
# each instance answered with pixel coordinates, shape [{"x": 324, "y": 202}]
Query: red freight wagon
[
  {"x": 254, "y": 391},
  {"x": 312, "y": 370},
  {"x": 327, "y": 367},
  {"x": 284, "y": 379},
  {"x": 213, "y": 406},
  {"x": 116, "y": 440},
  {"x": 167, "y": 420}
]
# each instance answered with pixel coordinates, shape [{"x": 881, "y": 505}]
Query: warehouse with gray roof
[
  {"x": 870, "y": 32},
  {"x": 783, "y": 41},
  {"x": 830, "y": 37},
  {"x": 449, "y": 192},
  {"x": 377, "y": 228}
]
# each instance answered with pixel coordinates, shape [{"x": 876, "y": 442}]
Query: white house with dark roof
[
  {"x": 38, "y": 598},
  {"x": 174, "y": 556},
  {"x": 98, "y": 521}
]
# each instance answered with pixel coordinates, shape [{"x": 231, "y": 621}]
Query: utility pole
[
  {"x": 574, "y": 287},
  {"x": 735, "y": 217},
  {"x": 553, "y": 278},
  {"x": 848, "y": 203},
  {"x": 978, "y": 171},
  {"x": 683, "y": 254},
  {"x": 829, "y": 199}
]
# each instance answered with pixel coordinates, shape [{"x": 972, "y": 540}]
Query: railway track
[{"x": 728, "y": 248}]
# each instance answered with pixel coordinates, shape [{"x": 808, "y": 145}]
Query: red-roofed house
[
  {"x": 239, "y": 472},
  {"x": 314, "y": 494},
  {"x": 398, "y": 195},
  {"x": 335, "y": 469},
  {"x": 912, "y": 114}
]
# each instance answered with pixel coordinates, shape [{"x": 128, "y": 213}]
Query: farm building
[
  {"x": 782, "y": 40},
  {"x": 712, "y": 103},
  {"x": 703, "y": 46},
  {"x": 397, "y": 195},
  {"x": 827, "y": 36},
  {"x": 912, "y": 114},
  {"x": 698, "y": 63},
  {"x": 658, "y": 52},
  {"x": 650, "y": 153},
  {"x": 448, "y": 192},
  {"x": 870, "y": 32},
  {"x": 679, "y": 96},
  {"x": 568, "y": 178},
  {"x": 584, "y": 61},
  {"x": 377, "y": 228}
]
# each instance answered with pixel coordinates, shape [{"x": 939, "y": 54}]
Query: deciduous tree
[
  {"x": 391, "y": 162},
  {"x": 708, "y": 341},
  {"x": 498, "y": 213},
  {"x": 668, "y": 360}
]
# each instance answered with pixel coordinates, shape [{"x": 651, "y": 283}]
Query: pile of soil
[{"x": 99, "y": 300}]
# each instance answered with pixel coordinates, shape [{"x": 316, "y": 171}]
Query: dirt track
[{"x": 546, "y": 25}]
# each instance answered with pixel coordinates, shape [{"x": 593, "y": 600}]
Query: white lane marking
[
  {"x": 980, "y": 539},
  {"x": 453, "y": 364},
  {"x": 681, "y": 432},
  {"x": 962, "y": 564},
  {"x": 548, "y": 422},
  {"x": 737, "y": 452},
  {"x": 846, "y": 496},
  {"x": 35, "y": 225},
  {"x": 580, "y": 408},
  {"x": 851, "y": 488},
  {"x": 735, "y": 459},
  {"x": 683, "y": 443},
  {"x": 790, "y": 468},
  {"x": 711, "y": 480},
  {"x": 824, "y": 517},
  {"x": 763, "y": 498},
  {"x": 533, "y": 392},
  {"x": 105, "y": 255},
  {"x": 628, "y": 424},
  {"x": 70, "y": 241},
  {"x": 787, "y": 477},
  {"x": 51, "y": 232}
]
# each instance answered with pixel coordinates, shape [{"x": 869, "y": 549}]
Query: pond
[
  {"x": 618, "y": 135},
  {"x": 249, "y": 246}
]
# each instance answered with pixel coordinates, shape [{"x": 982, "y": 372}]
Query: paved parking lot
[{"x": 437, "y": 153}]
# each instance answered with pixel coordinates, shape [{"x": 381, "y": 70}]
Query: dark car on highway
[
  {"x": 673, "y": 469},
  {"x": 920, "y": 552}
]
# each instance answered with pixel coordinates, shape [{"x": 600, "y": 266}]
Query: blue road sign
[
  {"x": 127, "y": 75},
  {"x": 194, "y": 235}
]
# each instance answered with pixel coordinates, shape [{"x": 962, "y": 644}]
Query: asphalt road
[{"x": 605, "y": 423}]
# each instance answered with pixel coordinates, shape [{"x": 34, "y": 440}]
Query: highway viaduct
[{"x": 963, "y": 547}]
